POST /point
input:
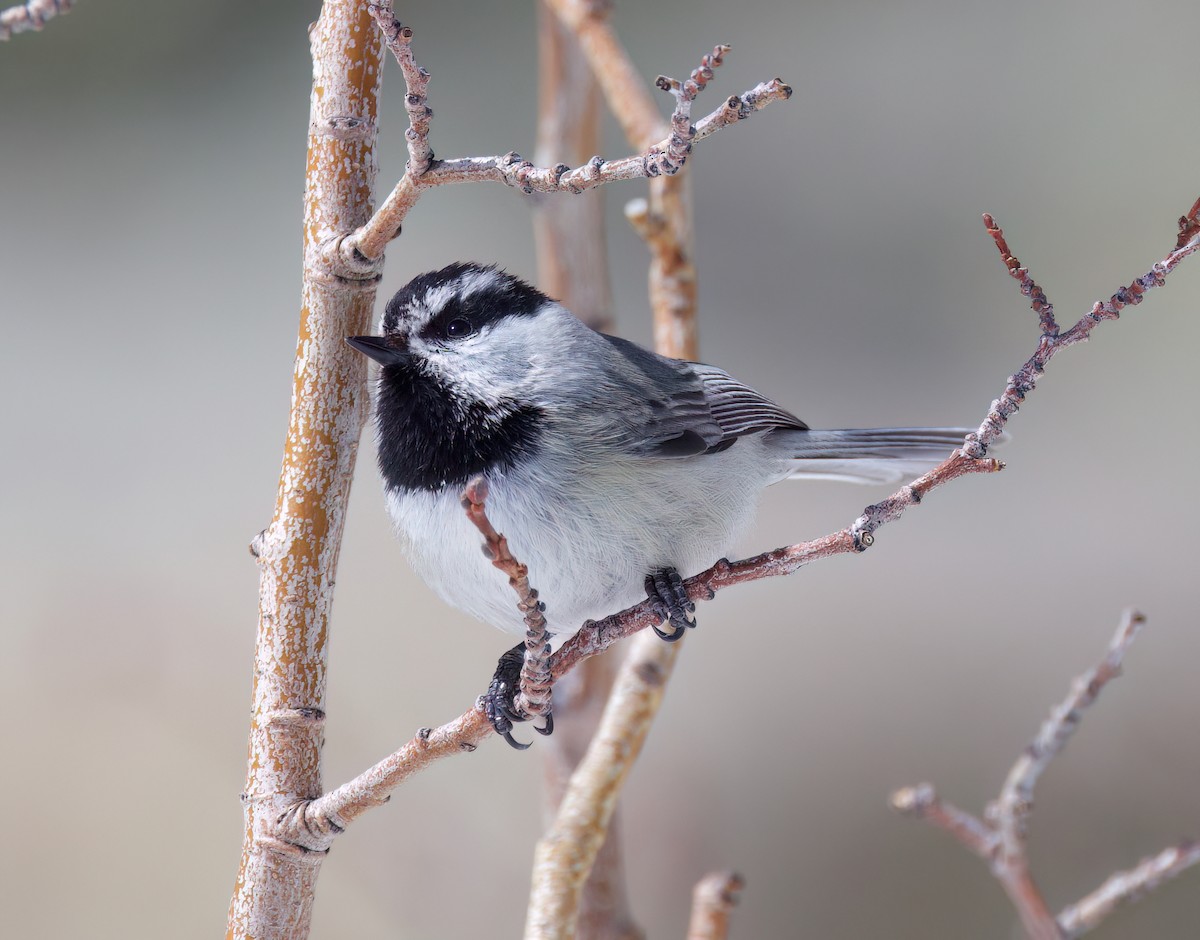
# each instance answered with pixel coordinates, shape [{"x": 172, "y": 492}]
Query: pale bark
[
  {"x": 297, "y": 553},
  {"x": 572, "y": 262}
]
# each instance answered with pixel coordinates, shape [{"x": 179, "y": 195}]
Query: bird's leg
[
  {"x": 499, "y": 702},
  {"x": 665, "y": 587}
]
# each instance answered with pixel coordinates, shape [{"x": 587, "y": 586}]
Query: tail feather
[{"x": 867, "y": 455}]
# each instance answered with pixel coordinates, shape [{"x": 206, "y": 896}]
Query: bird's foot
[
  {"x": 500, "y": 700},
  {"x": 666, "y": 589}
]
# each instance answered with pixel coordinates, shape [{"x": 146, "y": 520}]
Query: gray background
[{"x": 151, "y": 169}]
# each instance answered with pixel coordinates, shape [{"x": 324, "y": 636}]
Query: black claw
[
  {"x": 513, "y": 742},
  {"x": 666, "y": 588},
  {"x": 499, "y": 702},
  {"x": 669, "y": 637}
]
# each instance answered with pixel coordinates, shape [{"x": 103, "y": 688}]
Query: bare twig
[
  {"x": 1125, "y": 886},
  {"x": 999, "y": 838},
  {"x": 416, "y": 81},
  {"x": 31, "y": 16},
  {"x": 365, "y": 246},
  {"x": 713, "y": 900},
  {"x": 533, "y": 699},
  {"x": 1009, "y": 814},
  {"x": 1052, "y": 341}
]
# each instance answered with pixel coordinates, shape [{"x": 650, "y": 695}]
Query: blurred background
[{"x": 151, "y": 165}]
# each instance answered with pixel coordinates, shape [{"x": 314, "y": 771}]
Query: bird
[{"x": 614, "y": 472}]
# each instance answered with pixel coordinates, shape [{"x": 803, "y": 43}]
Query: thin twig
[
  {"x": 366, "y": 244},
  {"x": 857, "y": 537},
  {"x": 1125, "y": 886},
  {"x": 713, "y": 900},
  {"x": 922, "y": 802},
  {"x": 533, "y": 699},
  {"x": 1023, "y": 382},
  {"x": 416, "y": 80},
  {"x": 31, "y": 16},
  {"x": 999, "y": 838},
  {"x": 1009, "y": 814}
]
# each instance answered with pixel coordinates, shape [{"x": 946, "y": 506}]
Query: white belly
[{"x": 589, "y": 539}]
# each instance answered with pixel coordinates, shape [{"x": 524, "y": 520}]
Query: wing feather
[{"x": 691, "y": 408}]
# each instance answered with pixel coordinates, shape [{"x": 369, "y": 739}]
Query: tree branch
[
  {"x": 572, "y": 266},
  {"x": 365, "y": 246},
  {"x": 999, "y": 839},
  {"x": 666, "y": 226},
  {"x": 31, "y": 16},
  {"x": 1125, "y": 886},
  {"x": 297, "y": 553}
]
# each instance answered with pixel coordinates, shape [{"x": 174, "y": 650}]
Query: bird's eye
[{"x": 458, "y": 328}]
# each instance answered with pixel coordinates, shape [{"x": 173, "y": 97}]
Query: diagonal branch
[
  {"x": 999, "y": 838},
  {"x": 1126, "y": 886}
]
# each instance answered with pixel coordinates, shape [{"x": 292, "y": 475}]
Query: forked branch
[
  {"x": 999, "y": 838},
  {"x": 364, "y": 247}
]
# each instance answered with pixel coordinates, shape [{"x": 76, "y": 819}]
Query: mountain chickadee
[{"x": 612, "y": 470}]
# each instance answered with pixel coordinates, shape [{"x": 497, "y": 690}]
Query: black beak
[{"x": 378, "y": 348}]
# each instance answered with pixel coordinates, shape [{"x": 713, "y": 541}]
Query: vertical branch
[
  {"x": 572, "y": 255},
  {"x": 569, "y": 848},
  {"x": 573, "y": 267},
  {"x": 667, "y": 213},
  {"x": 297, "y": 553},
  {"x": 565, "y": 854}
]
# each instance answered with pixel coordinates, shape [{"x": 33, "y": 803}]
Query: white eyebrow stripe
[
  {"x": 436, "y": 298},
  {"x": 477, "y": 281}
]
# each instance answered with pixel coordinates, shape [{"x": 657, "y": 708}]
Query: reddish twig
[
  {"x": 533, "y": 699},
  {"x": 999, "y": 838},
  {"x": 1037, "y": 297},
  {"x": 1023, "y": 381}
]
